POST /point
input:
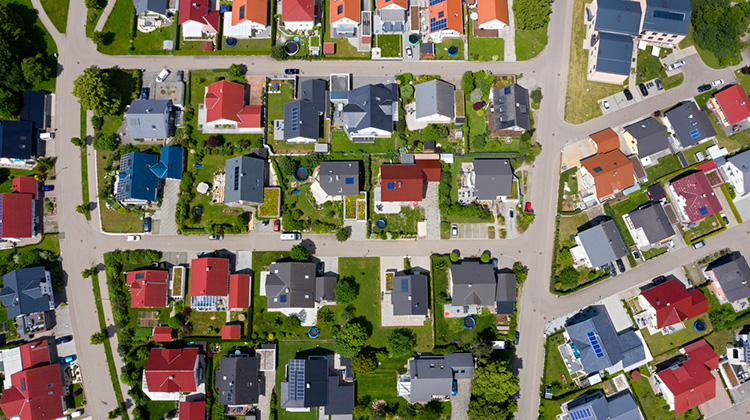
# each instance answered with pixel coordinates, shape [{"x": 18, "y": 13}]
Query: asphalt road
[{"x": 82, "y": 245}]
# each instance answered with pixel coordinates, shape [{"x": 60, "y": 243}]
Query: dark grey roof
[
  {"x": 237, "y": 381},
  {"x": 34, "y": 108},
  {"x": 371, "y": 106},
  {"x": 511, "y": 107},
  {"x": 494, "y": 178},
  {"x": 473, "y": 283},
  {"x": 324, "y": 288},
  {"x": 340, "y": 398},
  {"x": 17, "y": 140},
  {"x": 631, "y": 347},
  {"x": 296, "y": 285},
  {"x": 653, "y": 219},
  {"x": 148, "y": 119},
  {"x": 599, "y": 327},
  {"x": 312, "y": 382},
  {"x": 742, "y": 162},
  {"x": 603, "y": 243},
  {"x": 435, "y": 97},
  {"x": 316, "y": 381},
  {"x": 667, "y": 16},
  {"x": 409, "y": 295},
  {"x": 733, "y": 274},
  {"x": 691, "y": 125},
  {"x": 432, "y": 375},
  {"x": 618, "y": 17},
  {"x": 301, "y": 119},
  {"x": 245, "y": 179},
  {"x": 652, "y": 136},
  {"x": 615, "y": 53},
  {"x": 621, "y": 406},
  {"x": 338, "y": 177},
  {"x": 23, "y": 292},
  {"x": 156, "y": 6},
  {"x": 505, "y": 296},
  {"x": 316, "y": 92}
]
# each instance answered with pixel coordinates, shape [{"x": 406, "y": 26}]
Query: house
[
  {"x": 599, "y": 246},
  {"x": 493, "y": 179},
  {"x": 738, "y": 354},
  {"x": 226, "y": 109},
  {"x": 209, "y": 283},
  {"x": 171, "y": 160},
  {"x": 656, "y": 192},
  {"x": 151, "y": 7},
  {"x": 35, "y": 109},
  {"x": 665, "y": 22},
  {"x": 693, "y": 196},
  {"x": 595, "y": 405},
  {"x": 611, "y": 28},
  {"x": 18, "y": 215},
  {"x": 344, "y": 15},
  {"x": 669, "y": 304},
  {"x": 730, "y": 275},
  {"x": 492, "y": 14},
  {"x": 148, "y": 288},
  {"x": 339, "y": 178},
  {"x": 599, "y": 347},
  {"x": 35, "y": 393},
  {"x": 732, "y": 108},
  {"x": 405, "y": 182},
  {"x": 476, "y": 285},
  {"x": 239, "y": 291},
  {"x": 290, "y": 286},
  {"x": 247, "y": 19},
  {"x": 192, "y": 410},
  {"x": 610, "y": 173},
  {"x": 649, "y": 225},
  {"x": 298, "y": 15},
  {"x": 736, "y": 171},
  {"x": 370, "y": 112},
  {"x": 392, "y": 14},
  {"x": 197, "y": 22},
  {"x": 245, "y": 178},
  {"x": 150, "y": 119},
  {"x": 238, "y": 380},
  {"x": 163, "y": 334},
  {"x": 325, "y": 382},
  {"x": 136, "y": 182},
  {"x": 510, "y": 112},
  {"x": 431, "y": 376},
  {"x": 446, "y": 19},
  {"x": 302, "y": 117},
  {"x": 605, "y": 140},
  {"x": 409, "y": 295},
  {"x": 435, "y": 102},
  {"x": 17, "y": 143},
  {"x": 689, "y": 382},
  {"x": 27, "y": 291},
  {"x": 648, "y": 139},
  {"x": 172, "y": 372},
  {"x": 505, "y": 294},
  {"x": 690, "y": 124}
]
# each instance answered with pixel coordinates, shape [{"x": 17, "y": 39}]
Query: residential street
[{"x": 82, "y": 244}]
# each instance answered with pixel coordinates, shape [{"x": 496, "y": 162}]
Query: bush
[
  {"x": 467, "y": 82},
  {"x": 97, "y": 122},
  {"x": 78, "y": 141},
  {"x": 342, "y": 234},
  {"x": 364, "y": 364},
  {"x": 532, "y": 14},
  {"x": 299, "y": 253},
  {"x": 350, "y": 339},
  {"x": 454, "y": 257},
  {"x": 520, "y": 272},
  {"x": 536, "y": 95},
  {"x": 213, "y": 142},
  {"x": 568, "y": 278},
  {"x": 400, "y": 343},
  {"x": 236, "y": 70},
  {"x": 476, "y": 106},
  {"x": 105, "y": 142},
  {"x": 485, "y": 258},
  {"x": 346, "y": 291}
]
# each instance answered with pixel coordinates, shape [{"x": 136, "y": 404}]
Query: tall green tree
[
  {"x": 346, "y": 291},
  {"x": 401, "y": 343},
  {"x": 95, "y": 91},
  {"x": 350, "y": 339},
  {"x": 299, "y": 253},
  {"x": 492, "y": 391},
  {"x": 36, "y": 69}
]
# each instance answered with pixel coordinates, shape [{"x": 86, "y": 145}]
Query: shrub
[
  {"x": 400, "y": 343},
  {"x": 342, "y": 234},
  {"x": 299, "y": 253},
  {"x": 213, "y": 142},
  {"x": 364, "y": 364},
  {"x": 485, "y": 258},
  {"x": 454, "y": 257},
  {"x": 476, "y": 106},
  {"x": 346, "y": 291}
]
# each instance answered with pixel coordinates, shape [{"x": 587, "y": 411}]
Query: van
[
  {"x": 77, "y": 414},
  {"x": 46, "y": 136},
  {"x": 291, "y": 236},
  {"x": 162, "y": 75}
]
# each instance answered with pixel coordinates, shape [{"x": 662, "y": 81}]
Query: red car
[
  {"x": 276, "y": 225},
  {"x": 527, "y": 209}
]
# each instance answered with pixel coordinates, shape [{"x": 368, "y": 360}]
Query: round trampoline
[
  {"x": 380, "y": 224},
  {"x": 452, "y": 50},
  {"x": 301, "y": 174},
  {"x": 291, "y": 48},
  {"x": 231, "y": 42},
  {"x": 313, "y": 332},
  {"x": 413, "y": 39},
  {"x": 469, "y": 322},
  {"x": 699, "y": 326}
]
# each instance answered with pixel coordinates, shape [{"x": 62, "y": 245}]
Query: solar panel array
[
  {"x": 126, "y": 162},
  {"x": 340, "y": 9},
  {"x": 349, "y": 181},
  {"x": 583, "y": 413},
  {"x": 703, "y": 211},
  {"x": 694, "y": 134},
  {"x": 295, "y": 118},
  {"x": 438, "y": 25},
  {"x": 404, "y": 285},
  {"x": 595, "y": 345},
  {"x": 297, "y": 379},
  {"x": 434, "y": 2},
  {"x": 663, "y": 14}
]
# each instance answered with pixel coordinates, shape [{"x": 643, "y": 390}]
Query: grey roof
[
  {"x": 654, "y": 221},
  {"x": 237, "y": 381},
  {"x": 306, "y": 124},
  {"x": 340, "y": 398},
  {"x": 742, "y": 162},
  {"x": 667, "y": 16},
  {"x": 435, "y": 97},
  {"x": 148, "y": 118},
  {"x": 156, "y": 6},
  {"x": 618, "y": 17},
  {"x": 22, "y": 292},
  {"x": 691, "y": 124},
  {"x": 296, "y": 285},
  {"x": 316, "y": 92},
  {"x": 652, "y": 136},
  {"x": 511, "y": 107},
  {"x": 621, "y": 406},
  {"x": 505, "y": 295},
  {"x": 733, "y": 274},
  {"x": 603, "y": 243},
  {"x": 371, "y": 106},
  {"x": 615, "y": 53},
  {"x": 245, "y": 179},
  {"x": 432, "y": 375},
  {"x": 392, "y": 15},
  {"x": 339, "y": 177},
  {"x": 631, "y": 347},
  {"x": 474, "y": 283},
  {"x": 409, "y": 295},
  {"x": 595, "y": 328},
  {"x": 313, "y": 383},
  {"x": 494, "y": 178}
]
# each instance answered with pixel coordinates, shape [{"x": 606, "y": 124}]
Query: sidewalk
[
  {"x": 509, "y": 36},
  {"x": 105, "y": 15},
  {"x": 93, "y": 181}
]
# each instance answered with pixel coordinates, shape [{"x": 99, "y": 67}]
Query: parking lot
[{"x": 618, "y": 101}]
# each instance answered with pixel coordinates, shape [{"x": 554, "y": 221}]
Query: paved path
[
  {"x": 509, "y": 35},
  {"x": 105, "y": 15}
]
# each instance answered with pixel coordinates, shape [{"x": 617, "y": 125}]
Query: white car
[
  {"x": 605, "y": 104},
  {"x": 717, "y": 82},
  {"x": 675, "y": 66},
  {"x": 134, "y": 238},
  {"x": 162, "y": 75},
  {"x": 46, "y": 136},
  {"x": 408, "y": 52}
]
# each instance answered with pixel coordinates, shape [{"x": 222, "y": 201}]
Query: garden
[
  {"x": 485, "y": 49},
  {"x": 278, "y": 93},
  {"x": 121, "y": 36},
  {"x": 709, "y": 226},
  {"x": 442, "y": 49},
  {"x": 566, "y": 278},
  {"x": 355, "y": 207},
  {"x": 390, "y": 45},
  {"x": 401, "y": 224},
  {"x": 271, "y": 203}
]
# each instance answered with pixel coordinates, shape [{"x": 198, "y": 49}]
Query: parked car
[
  {"x": 612, "y": 269},
  {"x": 659, "y": 280},
  {"x": 63, "y": 339},
  {"x": 162, "y": 75},
  {"x": 144, "y": 93},
  {"x": 515, "y": 340},
  {"x": 527, "y": 209},
  {"x": 636, "y": 255},
  {"x": 675, "y": 66},
  {"x": 628, "y": 95},
  {"x": 717, "y": 82},
  {"x": 291, "y": 71},
  {"x": 68, "y": 359},
  {"x": 48, "y": 188},
  {"x": 658, "y": 84},
  {"x": 215, "y": 237},
  {"x": 46, "y": 136},
  {"x": 454, "y": 387},
  {"x": 134, "y": 238},
  {"x": 703, "y": 88},
  {"x": 276, "y": 225},
  {"x": 605, "y": 104},
  {"x": 643, "y": 89},
  {"x": 147, "y": 225},
  {"x": 291, "y": 236},
  {"x": 180, "y": 76},
  {"x": 510, "y": 213},
  {"x": 409, "y": 53},
  {"x": 620, "y": 265},
  {"x": 725, "y": 219},
  {"x": 698, "y": 245},
  {"x": 454, "y": 230}
]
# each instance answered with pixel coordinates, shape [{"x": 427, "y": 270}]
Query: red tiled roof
[
  {"x": 692, "y": 382},
  {"x": 209, "y": 277},
  {"x": 734, "y": 103},
  {"x": 489, "y": 10},
  {"x": 451, "y": 11},
  {"x": 612, "y": 172},
  {"x": 26, "y": 185},
  {"x": 606, "y": 140},
  {"x": 298, "y": 10},
  {"x": 36, "y": 393},
  {"x": 192, "y": 410},
  {"x": 401, "y": 182},
  {"x": 239, "y": 291},
  {"x": 35, "y": 354},
  {"x": 193, "y": 10},
  {"x": 706, "y": 166},
  {"x": 254, "y": 11},
  {"x": 171, "y": 370},
  {"x": 329, "y": 48},
  {"x": 403, "y": 4},
  {"x": 700, "y": 199},
  {"x": 16, "y": 215},
  {"x": 163, "y": 334},
  {"x": 231, "y": 332},
  {"x": 431, "y": 169},
  {"x": 349, "y": 9},
  {"x": 673, "y": 303},
  {"x": 148, "y": 288},
  {"x": 226, "y": 101}
]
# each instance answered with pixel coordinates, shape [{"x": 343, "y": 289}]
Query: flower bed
[
  {"x": 350, "y": 207},
  {"x": 271, "y": 202}
]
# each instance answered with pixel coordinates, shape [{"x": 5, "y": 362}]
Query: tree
[
  {"x": 278, "y": 53},
  {"x": 454, "y": 257},
  {"x": 78, "y": 141},
  {"x": 485, "y": 258},
  {"x": 536, "y": 95},
  {"x": 346, "y": 291},
  {"x": 407, "y": 91},
  {"x": 350, "y": 339},
  {"x": 400, "y": 343},
  {"x": 568, "y": 277},
  {"x": 105, "y": 142},
  {"x": 721, "y": 317},
  {"x": 88, "y": 272},
  {"x": 481, "y": 409},
  {"x": 98, "y": 37},
  {"x": 94, "y": 91},
  {"x": 363, "y": 364},
  {"x": 476, "y": 106},
  {"x": 434, "y": 132},
  {"x": 10, "y": 103},
  {"x": 175, "y": 323},
  {"x": 342, "y": 234},
  {"x": 299, "y": 253},
  {"x": 520, "y": 272},
  {"x": 532, "y": 14},
  {"x": 120, "y": 410},
  {"x": 36, "y": 69},
  {"x": 494, "y": 381},
  {"x": 213, "y": 142},
  {"x": 478, "y": 142},
  {"x": 236, "y": 70},
  {"x": 467, "y": 81},
  {"x": 83, "y": 208},
  {"x": 99, "y": 337}
]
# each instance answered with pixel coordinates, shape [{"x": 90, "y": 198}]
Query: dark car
[
  {"x": 628, "y": 95},
  {"x": 291, "y": 71},
  {"x": 515, "y": 340},
  {"x": 144, "y": 93},
  {"x": 612, "y": 269},
  {"x": 704, "y": 88},
  {"x": 180, "y": 76},
  {"x": 620, "y": 265},
  {"x": 147, "y": 225},
  {"x": 643, "y": 89},
  {"x": 658, "y": 84},
  {"x": 659, "y": 280},
  {"x": 63, "y": 339},
  {"x": 48, "y": 188},
  {"x": 636, "y": 255}
]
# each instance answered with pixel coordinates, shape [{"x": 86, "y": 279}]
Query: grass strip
[
  {"x": 736, "y": 213},
  {"x": 85, "y": 167}
]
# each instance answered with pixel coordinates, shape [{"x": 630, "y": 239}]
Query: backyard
[
  {"x": 649, "y": 67},
  {"x": 659, "y": 343},
  {"x": 710, "y": 225},
  {"x": 120, "y": 24},
  {"x": 666, "y": 165},
  {"x": 653, "y": 407},
  {"x": 340, "y": 143},
  {"x": 530, "y": 42},
  {"x": 441, "y": 49},
  {"x": 390, "y": 45},
  {"x": 302, "y": 213},
  {"x": 486, "y": 49},
  {"x": 117, "y": 219},
  {"x": 555, "y": 373},
  {"x": 617, "y": 210},
  {"x": 403, "y": 223},
  {"x": 344, "y": 49},
  {"x": 565, "y": 277}
]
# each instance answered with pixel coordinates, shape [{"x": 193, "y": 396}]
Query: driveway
[
  {"x": 721, "y": 403},
  {"x": 460, "y": 401},
  {"x": 431, "y": 211},
  {"x": 471, "y": 231},
  {"x": 168, "y": 223}
]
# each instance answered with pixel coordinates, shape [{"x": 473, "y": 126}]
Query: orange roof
[
  {"x": 162, "y": 334},
  {"x": 450, "y": 10},
  {"x": 404, "y": 4},
  {"x": 612, "y": 172},
  {"x": 256, "y": 11},
  {"x": 231, "y": 332},
  {"x": 490, "y": 10},
  {"x": 341, "y": 9},
  {"x": 606, "y": 140}
]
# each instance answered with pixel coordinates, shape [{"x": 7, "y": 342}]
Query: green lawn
[
  {"x": 690, "y": 153},
  {"x": 340, "y": 143},
  {"x": 707, "y": 226},
  {"x": 666, "y": 165},
  {"x": 344, "y": 49},
  {"x": 648, "y": 66},
  {"x": 568, "y": 228},
  {"x": 530, "y": 42},
  {"x": 390, "y": 45},
  {"x": 330, "y": 213},
  {"x": 260, "y": 46},
  {"x": 441, "y": 49},
  {"x": 659, "y": 343},
  {"x": 404, "y": 222},
  {"x": 653, "y": 252},
  {"x": 121, "y": 22},
  {"x": 555, "y": 371},
  {"x": 57, "y": 11},
  {"x": 159, "y": 409},
  {"x": 486, "y": 49},
  {"x": 744, "y": 79}
]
